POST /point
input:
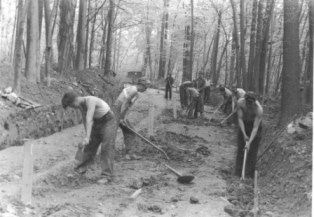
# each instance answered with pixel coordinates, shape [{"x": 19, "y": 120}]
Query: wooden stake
[
  {"x": 255, "y": 208},
  {"x": 27, "y": 174},
  {"x": 151, "y": 121},
  {"x": 174, "y": 110}
]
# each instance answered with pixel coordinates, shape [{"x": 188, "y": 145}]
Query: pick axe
[{"x": 244, "y": 162}]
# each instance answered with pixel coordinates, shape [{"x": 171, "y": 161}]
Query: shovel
[
  {"x": 244, "y": 163},
  {"x": 183, "y": 179}
]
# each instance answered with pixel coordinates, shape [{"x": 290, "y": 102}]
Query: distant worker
[
  {"x": 227, "y": 103},
  {"x": 207, "y": 92},
  {"x": 249, "y": 112},
  {"x": 169, "y": 82},
  {"x": 121, "y": 108},
  {"x": 200, "y": 84},
  {"x": 183, "y": 94},
  {"x": 193, "y": 98},
  {"x": 99, "y": 123}
]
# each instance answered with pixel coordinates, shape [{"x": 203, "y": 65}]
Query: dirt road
[{"x": 195, "y": 147}]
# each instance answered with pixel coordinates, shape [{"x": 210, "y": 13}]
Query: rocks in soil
[
  {"x": 194, "y": 200},
  {"x": 136, "y": 184},
  {"x": 149, "y": 207},
  {"x": 174, "y": 199},
  {"x": 203, "y": 150}
]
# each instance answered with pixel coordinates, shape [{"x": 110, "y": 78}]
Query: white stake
[{"x": 27, "y": 174}]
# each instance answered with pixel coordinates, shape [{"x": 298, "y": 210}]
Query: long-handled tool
[
  {"x": 146, "y": 140},
  {"x": 183, "y": 179},
  {"x": 227, "y": 118},
  {"x": 213, "y": 115},
  {"x": 244, "y": 163}
]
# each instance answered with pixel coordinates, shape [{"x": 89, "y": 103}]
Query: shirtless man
[
  {"x": 249, "y": 113},
  {"x": 99, "y": 123},
  {"x": 237, "y": 93},
  {"x": 121, "y": 108},
  {"x": 227, "y": 104},
  {"x": 193, "y": 99}
]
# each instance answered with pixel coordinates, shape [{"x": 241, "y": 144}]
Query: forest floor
[{"x": 202, "y": 148}]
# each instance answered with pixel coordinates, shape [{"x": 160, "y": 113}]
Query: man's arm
[
  {"x": 240, "y": 120},
  {"x": 127, "y": 104},
  {"x": 257, "y": 122},
  {"x": 89, "y": 118}
]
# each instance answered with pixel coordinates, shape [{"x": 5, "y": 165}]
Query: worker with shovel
[
  {"x": 99, "y": 123},
  {"x": 227, "y": 104},
  {"x": 249, "y": 113},
  {"x": 121, "y": 108}
]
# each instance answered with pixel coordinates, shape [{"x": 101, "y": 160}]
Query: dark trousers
[
  {"x": 104, "y": 133},
  {"x": 200, "y": 103},
  {"x": 168, "y": 92},
  {"x": 193, "y": 107},
  {"x": 227, "y": 108},
  {"x": 252, "y": 153},
  {"x": 129, "y": 138}
]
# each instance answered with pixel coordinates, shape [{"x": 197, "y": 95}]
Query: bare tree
[
  {"x": 32, "y": 57},
  {"x": 242, "y": 39},
  {"x": 213, "y": 66},
  {"x": 290, "y": 99},
  {"x": 22, "y": 11},
  {"x": 108, "y": 60},
  {"x": 163, "y": 41},
  {"x": 65, "y": 38},
  {"x": 309, "y": 71},
  {"x": 81, "y": 36}
]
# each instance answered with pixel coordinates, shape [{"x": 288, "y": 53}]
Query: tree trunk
[
  {"x": 108, "y": 60},
  {"x": 242, "y": 34},
  {"x": 87, "y": 34},
  {"x": 232, "y": 69},
  {"x": 309, "y": 71},
  {"x": 31, "y": 69},
  {"x": 192, "y": 37},
  {"x": 213, "y": 66},
  {"x": 92, "y": 39},
  {"x": 22, "y": 11},
  {"x": 186, "y": 74},
  {"x": 221, "y": 58},
  {"x": 163, "y": 41},
  {"x": 81, "y": 36},
  {"x": 267, "y": 20},
  {"x": 65, "y": 38},
  {"x": 252, "y": 47},
  {"x": 236, "y": 40},
  {"x": 49, "y": 18},
  {"x": 290, "y": 99}
]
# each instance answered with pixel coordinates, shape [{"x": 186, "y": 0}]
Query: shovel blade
[{"x": 185, "y": 179}]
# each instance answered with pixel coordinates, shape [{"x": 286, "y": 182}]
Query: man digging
[
  {"x": 249, "y": 113},
  {"x": 122, "y": 106},
  {"x": 100, "y": 127}
]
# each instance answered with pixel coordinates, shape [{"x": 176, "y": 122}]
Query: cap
[{"x": 250, "y": 96}]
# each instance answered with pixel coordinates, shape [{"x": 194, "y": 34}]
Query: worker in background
[
  {"x": 169, "y": 82},
  {"x": 99, "y": 123},
  {"x": 193, "y": 99},
  {"x": 237, "y": 93},
  {"x": 183, "y": 94},
  {"x": 227, "y": 104},
  {"x": 200, "y": 85},
  {"x": 249, "y": 112},
  {"x": 121, "y": 108}
]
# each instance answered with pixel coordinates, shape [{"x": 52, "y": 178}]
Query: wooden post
[
  {"x": 174, "y": 106},
  {"x": 27, "y": 182},
  {"x": 151, "y": 120}
]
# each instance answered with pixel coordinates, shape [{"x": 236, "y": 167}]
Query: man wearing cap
[
  {"x": 183, "y": 94},
  {"x": 121, "y": 108},
  {"x": 249, "y": 113},
  {"x": 99, "y": 123},
  {"x": 169, "y": 82},
  {"x": 200, "y": 86},
  {"x": 193, "y": 98}
]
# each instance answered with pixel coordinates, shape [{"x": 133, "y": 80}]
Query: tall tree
[
  {"x": 108, "y": 60},
  {"x": 163, "y": 41},
  {"x": 22, "y": 11},
  {"x": 213, "y": 65},
  {"x": 242, "y": 39},
  {"x": 192, "y": 37},
  {"x": 65, "y": 38},
  {"x": 309, "y": 72},
  {"x": 81, "y": 36},
  {"x": 266, "y": 26},
  {"x": 290, "y": 99},
  {"x": 32, "y": 57},
  {"x": 49, "y": 19},
  {"x": 250, "y": 71}
]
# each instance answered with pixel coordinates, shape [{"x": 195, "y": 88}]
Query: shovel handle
[
  {"x": 244, "y": 164},
  {"x": 173, "y": 170},
  {"x": 227, "y": 117}
]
